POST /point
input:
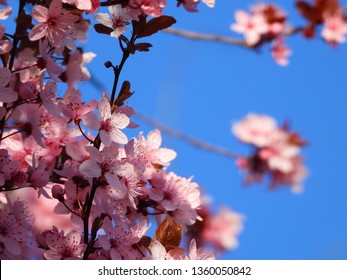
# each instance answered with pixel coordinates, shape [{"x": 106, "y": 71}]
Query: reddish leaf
[
  {"x": 156, "y": 24},
  {"x": 123, "y": 95},
  {"x": 143, "y": 47},
  {"x": 102, "y": 29},
  {"x": 169, "y": 234},
  {"x": 139, "y": 26}
]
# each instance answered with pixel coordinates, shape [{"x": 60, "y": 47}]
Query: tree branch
[
  {"x": 186, "y": 138},
  {"x": 220, "y": 39}
]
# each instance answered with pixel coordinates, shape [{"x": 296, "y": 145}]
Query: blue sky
[{"x": 201, "y": 88}]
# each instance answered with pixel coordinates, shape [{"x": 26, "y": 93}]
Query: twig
[
  {"x": 207, "y": 37},
  {"x": 220, "y": 39},
  {"x": 186, "y": 138}
]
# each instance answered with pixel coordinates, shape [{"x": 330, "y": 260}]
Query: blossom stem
[
  {"x": 68, "y": 208},
  {"x": 7, "y": 136},
  {"x": 117, "y": 70},
  {"x": 13, "y": 54},
  {"x": 24, "y": 68},
  {"x": 85, "y": 136},
  {"x": 85, "y": 218},
  {"x": 186, "y": 138}
]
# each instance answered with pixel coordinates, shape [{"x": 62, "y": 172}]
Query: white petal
[
  {"x": 91, "y": 120},
  {"x": 105, "y": 138},
  {"x": 5, "y": 77},
  {"x": 90, "y": 168},
  {"x": 104, "y": 108},
  {"x": 104, "y": 19},
  {"x": 118, "y": 136},
  {"x": 8, "y": 95},
  {"x": 154, "y": 139},
  {"x": 165, "y": 155},
  {"x": 120, "y": 120}
]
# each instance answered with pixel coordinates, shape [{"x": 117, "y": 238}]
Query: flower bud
[
  {"x": 58, "y": 192},
  {"x": 108, "y": 64}
]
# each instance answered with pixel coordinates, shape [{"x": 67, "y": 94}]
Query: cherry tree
[{"x": 73, "y": 184}]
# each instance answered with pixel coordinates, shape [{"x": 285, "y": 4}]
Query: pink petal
[
  {"x": 90, "y": 168},
  {"x": 118, "y": 31},
  {"x": 40, "y": 13},
  {"x": 12, "y": 246},
  {"x": 104, "y": 108},
  {"x": 55, "y": 8},
  {"x": 94, "y": 152},
  {"x": 8, "y": 95},
  {"x": 5, "y": 77},
  {"x": 91, "y": 120},
  {"x": 120, "y": 120},
  {"x": 39, "y": 31},
  {"x": 241, "y": 17},
  {"x": 5, "y": 13},
  {"x": 105, "y": 138},
  {"x": 5, "y": 46},
  {"x": 154, "y": 139},
  {"x": 166, "y": 155},
  {"x": 118, "y": 136},
  {"x": 104, "y": 19}
]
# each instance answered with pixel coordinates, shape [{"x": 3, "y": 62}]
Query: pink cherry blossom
[
  {"x": 76, "y": 70},
  {"x": 158, "y": 252},
  {"x": 255, "y": 129},
  {"x": 5, "y": 45},
  {"x": 7, "y": 167},
  {"x": 28, "y": 117},
  {"x": 61, "y": 247},
  {"x": 76, "y": 109},
  {"x": 80, "y": 4},
  {"x": 334, "y": 29},
  {"x": 191, "y": 5},
  {"x": 176, "y": 195},
  {"x": 53, "y": 24},
  {"x": 5, "y": 13},
  {"x": 277, "y": 152},
  {"x": 222, "y": 230},
  {"x": 122, "y": 241},
  {"x": 7, "y": 94},
  {"x": 148, "y": 152},
  {"x": 280, "y": 51},
  {"x": 15, "y": 227},
  {"x": 110, "y": 125},
  {"x": 107, "y": 164},
  {"x": 45, "y": 62},
  {"x": 251, "y": 26},
  {"x": 195, "y": 253},
  {"x": 25, "y": 64},
  {"x": 152, "y": 7},
  {"x": 120, "y": 18}
]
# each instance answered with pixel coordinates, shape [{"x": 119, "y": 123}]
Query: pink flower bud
[{"x": 58, "y": 192}]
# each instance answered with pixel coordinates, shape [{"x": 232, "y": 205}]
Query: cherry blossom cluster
[
  {"x": 122, "y": 14},
  {"x": 276, "y": 152},
  {"x": 265, "y": 23},
  {"x": 72, "y": 185},
  {"x": 268, "y": 23}
]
